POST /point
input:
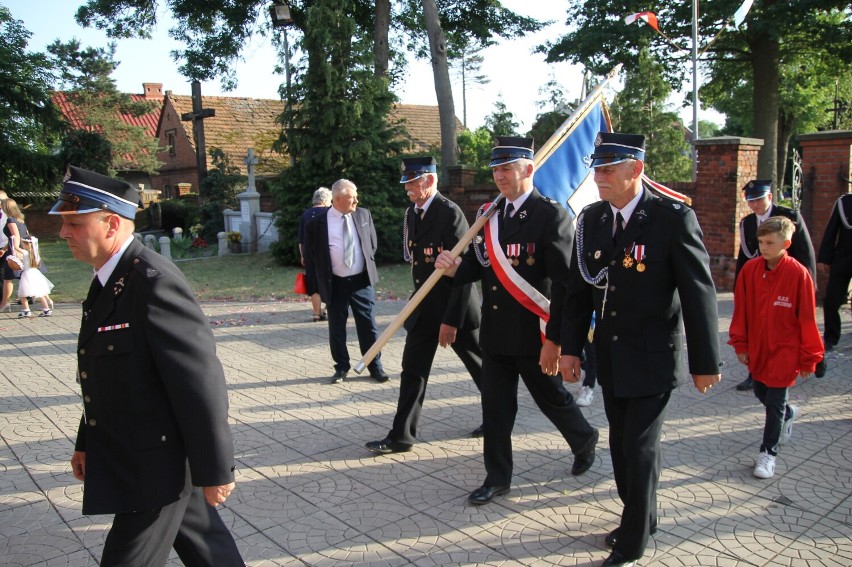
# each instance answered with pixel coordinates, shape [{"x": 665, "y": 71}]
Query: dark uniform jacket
[
  {"x": 801, "y": 247},
  {"x": 638, "y": 336},
  {"x": 318, "y": 256},
  {"x": 836, "y": 247},
  {"x": 154, "y": 395},
  {"x": 545, "y": 234},
  {"x": 441, "y": 228}
]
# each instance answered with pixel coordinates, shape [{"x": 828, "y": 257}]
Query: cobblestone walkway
[{"x": 310, "y": 494}]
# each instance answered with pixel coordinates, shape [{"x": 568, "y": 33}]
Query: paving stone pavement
[{"x": 309, "y": 493}]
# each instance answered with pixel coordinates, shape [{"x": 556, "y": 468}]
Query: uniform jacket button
[
  {"x": 612, "y": 288},
  {"x": 87, "y": 399},
  {"x": 84, "y": 375},
  {"x": 163, "y": 438},
  {"x": 110, "y": 348},
  {"x": 92, "y": 422},
  {"x": 494, "y": 307},
  {"x": 493, "y": 288},
  {"x": 612, "y": 313},
  {"x": 615, "y": 338},
  {"x": 82, "y": 351}
]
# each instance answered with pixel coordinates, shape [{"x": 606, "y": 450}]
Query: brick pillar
[
  {"x": 725, "y": 164},
  {"x": 459, "y": 179},
  {"x": 826, "y": 172}
]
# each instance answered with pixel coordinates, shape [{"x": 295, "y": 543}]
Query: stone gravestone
[{"x": 249, "y": 207}]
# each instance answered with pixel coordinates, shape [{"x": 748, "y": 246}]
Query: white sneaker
[
  {"x": 764, "y": 466},
  {"x": 787, "y": 426},
  {"x": 584, "y": 399}
]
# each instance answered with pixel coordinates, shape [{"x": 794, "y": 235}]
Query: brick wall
[{"x": 827, "y": 169}]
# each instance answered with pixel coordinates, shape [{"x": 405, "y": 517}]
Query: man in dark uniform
[
  {"x": 836, "y": 252},
  {"x": 154, "y": 446},
  {"x": 641, "y": 265},
  {"x": 522, "y": 259},
  {"x": 758, "y": 194},
  {"x": 340, "y": 252},
  {"x": 448, "y": 315}
]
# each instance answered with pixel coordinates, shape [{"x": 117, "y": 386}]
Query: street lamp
[{"x": 279, "y": 13}]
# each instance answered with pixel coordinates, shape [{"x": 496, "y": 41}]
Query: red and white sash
[{"x": 518, "y": 287}]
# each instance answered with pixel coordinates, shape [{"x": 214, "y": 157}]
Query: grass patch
[{"x": 237, "y": 277}]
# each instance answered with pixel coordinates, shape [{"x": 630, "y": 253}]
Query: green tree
[
  {"x": 30, "y": 125},
  {"x": 84, "y": 76},
  {"x": 340, "y": 129},
  {"x": 468, "y": 69},
  {"x": 219, "y": 190},
  {"x": 555, "y": 110},
  {"x": 475, "y": 151},
  {"x": 808, "y": 79},
  {"x": 641, "y": 107},
  {"x": 755, "y": 51},
  {"x": 501, "y": 121}
]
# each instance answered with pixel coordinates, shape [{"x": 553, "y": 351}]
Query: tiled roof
[
  {"x": 423, "y": 124},
  {"x": 239, "y": 124},
  {"x": 242, "y": 123},
  {"x": 147, "y": 121}
]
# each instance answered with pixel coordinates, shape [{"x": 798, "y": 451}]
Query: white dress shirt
[{"x": 335, "y": 222}]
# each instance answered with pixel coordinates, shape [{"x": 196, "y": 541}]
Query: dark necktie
[
  {"x": 418, "y": 216},
  {"x": 510, "y": 208},
  {"x": 94, "y": 291},
  {"x": 619, "y": 227}
]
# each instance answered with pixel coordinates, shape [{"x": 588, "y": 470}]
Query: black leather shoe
[
  {"x": 612, "y": 536},
  {"x": 615, "y": 558},
  {"x": 387, "y": 445},
  {"x": 478, "y": 432},
  {"x": 339, "y": 376},
  {"x": 379, "y": 375},
  {"x": 745, "y": 385},
  {"x": 485, "y": 494},
  {"x": 821, "y": 367},
  {"x": 585, "y": 458}
]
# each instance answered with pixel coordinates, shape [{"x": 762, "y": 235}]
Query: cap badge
[{"x": 598, "y": 140}]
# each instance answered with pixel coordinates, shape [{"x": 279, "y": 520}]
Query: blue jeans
[
  {"x": 777, "y": 410},
  {"x": 357, "y": 293}
]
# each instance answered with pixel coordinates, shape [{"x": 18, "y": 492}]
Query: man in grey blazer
[
  {"x": 447, "y": 316},
  {"x": 340, "y": 252},
  {"x": 154, "y": 446}
]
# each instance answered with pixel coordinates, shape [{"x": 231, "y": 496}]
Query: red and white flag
[{"x": 649, "y": 18}]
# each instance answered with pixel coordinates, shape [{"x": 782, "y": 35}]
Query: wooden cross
[{"x": 197, "y": 117}]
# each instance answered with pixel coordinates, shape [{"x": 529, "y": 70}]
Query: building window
[
  {"x": 167, "y": 191},
  {"x": 170, "y": 137}
]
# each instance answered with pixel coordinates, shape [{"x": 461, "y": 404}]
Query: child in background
[
  {"x": 774, "y": 332},
  {"x": 33, "y": 283}
]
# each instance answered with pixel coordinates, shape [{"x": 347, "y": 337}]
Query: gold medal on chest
[
  {"x": 640, "y": 267},
  {"x": 530, "y": 260},
  {"x": 627, "y": 262}
]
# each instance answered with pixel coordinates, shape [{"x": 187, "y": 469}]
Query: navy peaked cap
[
  {"x": 612, "y": 148},
  {"x": 757, "y": 189},
  {"x": 415, "y": 167},
  {"x": 511, "y": 148},
  {"x": 85, "y": 191}
]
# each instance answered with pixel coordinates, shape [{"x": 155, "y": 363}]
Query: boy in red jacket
[{"x": 774, "y": 332}]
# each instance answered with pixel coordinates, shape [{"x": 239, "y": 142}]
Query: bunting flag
[
  {"x": 561, "y": 172},
  {"x": 740, "y": 14},
  {"x": 649, "y": 18}
]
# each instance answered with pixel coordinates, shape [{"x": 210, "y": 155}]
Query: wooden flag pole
[{"x": 425, "y": 289}]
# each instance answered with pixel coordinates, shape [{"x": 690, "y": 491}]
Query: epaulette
[
  {"x": 670, "y": 204},
  {"x": 450, "y": 204},
  {"x": 145, "y": 269}
]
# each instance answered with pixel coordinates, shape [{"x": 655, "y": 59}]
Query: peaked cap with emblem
[
  {"x": 85, "y": 191},
  {"x": 511, "y": 148},
  {"x": 757, "y": 189},
  {"x": 612, "y": 148},
  {"x": 416, "y": 167}
]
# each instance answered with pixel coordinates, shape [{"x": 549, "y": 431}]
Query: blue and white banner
[{"x": 561, "y": 171}]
